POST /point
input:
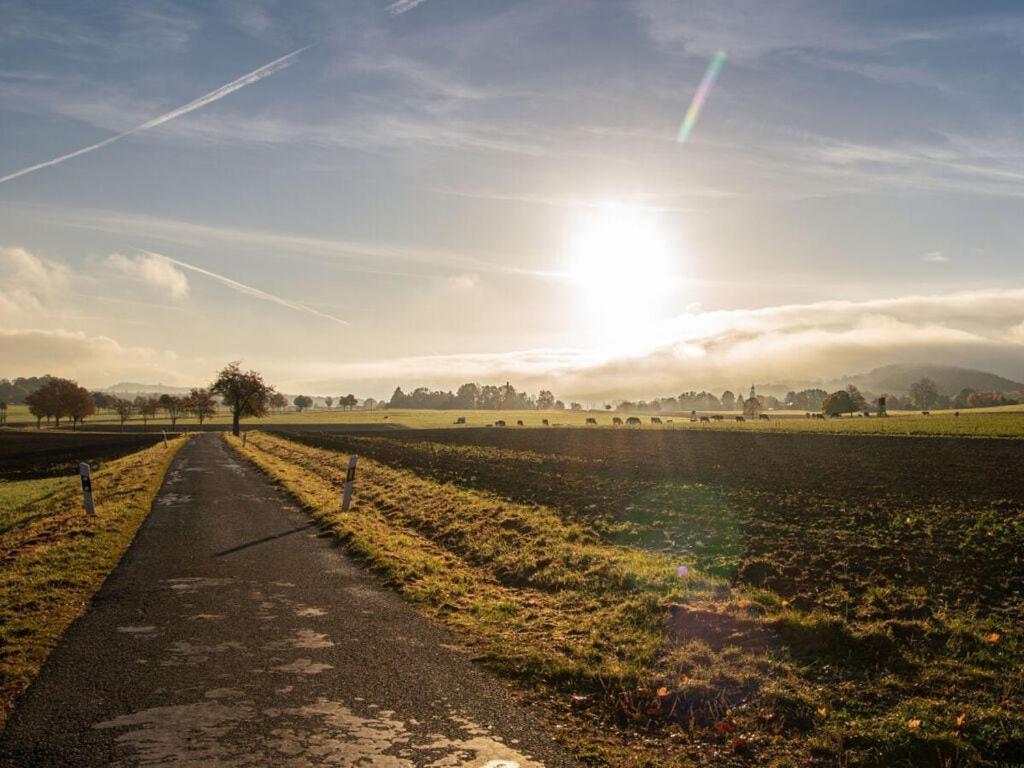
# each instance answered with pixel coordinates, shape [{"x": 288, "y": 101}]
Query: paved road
[{"x": 232, "y": 634}]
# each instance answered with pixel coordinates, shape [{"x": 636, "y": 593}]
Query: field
[
  {"x": 1005, "y": 421},
  {"x": 52, "y": 557},
  {"x": 851, "y": 600},
  {"x": 27, "y": 454}
]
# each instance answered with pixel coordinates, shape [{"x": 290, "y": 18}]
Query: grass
[
  {"x": 53, "y": 558},
  {"x": 1004, "y": 421},
  {"x": 850, "y": 636}
]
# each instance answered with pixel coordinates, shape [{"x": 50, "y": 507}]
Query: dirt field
[
  {"x": 885, "y": 575},
  {"x": 27, "y": 454}
]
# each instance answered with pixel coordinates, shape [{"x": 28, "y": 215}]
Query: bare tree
[
  {"x": 174, "y": 406},
  {"x": 124, "y": 409},
  {"x": 329, "y": 401},
  {"x": 147, "y": 406}
]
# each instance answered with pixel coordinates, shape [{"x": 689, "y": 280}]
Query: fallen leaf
[
  {"x": 663, "y": 692},
  {"x": 914, "y": 724},
  {"x": 724, "y": 727},
  {"x": 743, "y": 603},
  {"x": 960, "y": 720},
  {"x": 993, "y": 638},
  {"x": 823, "y": 711}
]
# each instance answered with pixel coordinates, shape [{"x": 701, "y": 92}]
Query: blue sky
[{"x": 405, "y": 201}]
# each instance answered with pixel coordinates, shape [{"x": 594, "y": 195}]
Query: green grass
[
  {"x": 1006, "y": 421},
  {"x": 53, "y": 558}
]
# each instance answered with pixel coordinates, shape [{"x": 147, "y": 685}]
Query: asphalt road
[{"x": 234, "y": 634}]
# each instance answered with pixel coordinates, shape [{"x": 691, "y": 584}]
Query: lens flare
[{"x": 693, "y": 113}]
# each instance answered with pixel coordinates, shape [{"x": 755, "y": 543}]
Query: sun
[{"x": 622, "y": 267}]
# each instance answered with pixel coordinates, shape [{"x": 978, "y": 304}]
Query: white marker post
[
  {"x": 83, "y": 470},
  {"x": 164, "y": 433},
  {"x": 350, "y": 478},
  {"x": 245, "y": 436}
]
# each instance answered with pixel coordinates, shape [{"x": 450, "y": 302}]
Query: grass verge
[{"x": 53, "y": 558}]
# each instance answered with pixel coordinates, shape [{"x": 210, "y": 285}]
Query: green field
[{"x": 1006, "y": 421}]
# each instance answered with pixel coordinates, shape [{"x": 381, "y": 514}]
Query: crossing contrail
[
  {"x": 248, "y": 290},
  {"x": 215, "y": 95}
]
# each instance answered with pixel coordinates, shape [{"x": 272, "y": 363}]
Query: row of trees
[
  {"x": 302, "y": 402},
  {"x": 473, "y": 396},
  {"x": 60, "y": 399}
]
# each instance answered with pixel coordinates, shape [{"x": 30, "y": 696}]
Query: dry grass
[{"x": 53, "y": 558}]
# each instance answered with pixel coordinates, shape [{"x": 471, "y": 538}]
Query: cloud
[
  {"x": 30, "y": 282},
  {"x": 215, "y": 95},
  {"x": 247, "y": 290},
  {"x": 785, "y": 345},
  {"x": 935, "y": 257},
  {"x": 399, "y": 7},
  {"x": 154, "y": 270},
  {"x": 92, "y": 360}
]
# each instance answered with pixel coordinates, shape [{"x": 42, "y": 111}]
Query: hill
[
  {"x": 134, "y": 388},
  {"x": 896, "y": 379}
]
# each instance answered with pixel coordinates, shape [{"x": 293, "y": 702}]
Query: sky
[{"x": 354, "y": 196}]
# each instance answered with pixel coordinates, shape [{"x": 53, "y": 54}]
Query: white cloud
[
  {"x": 154, "y": 270},
  {"x": 936, "y": 257},
  {"x": 30, "y": 282},
  {"x": 399, "y": 7},
  {"x": 791, "y": 344},
  {"x": 92, "y": 360}
]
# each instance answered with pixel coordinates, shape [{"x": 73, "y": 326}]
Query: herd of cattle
[{"x": 629, "y": 421}]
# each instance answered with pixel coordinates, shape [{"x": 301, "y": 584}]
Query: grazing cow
[
  {"x": 544, "y": 422},
  {"x": 460, "y": 420},
  {"x": 807, "y": 415},
  {"x": 740, "y": 418},
  {"x": 633, "y": 420},
  {"x": 668, "y": 421},
  {"x": 763, "y": 417},
  {"x": 705, "y": 420},
  {"x": 617, "y": 421},
  {"x": 655, "y": 420},
  {"x": 519, "y": 422},
  {"x": 499, "y": 423},
  {"x": 867, "y": 414},
  {"x": 956, "y": 415},
  {"x": 591, "y": 420},
  {"x": 926, "y": 413}
]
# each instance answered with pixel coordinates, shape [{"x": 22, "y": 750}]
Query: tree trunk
[{"x": 234, "y": 423}]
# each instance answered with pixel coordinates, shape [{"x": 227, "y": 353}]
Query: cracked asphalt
[{"x": 233, "y": 633}]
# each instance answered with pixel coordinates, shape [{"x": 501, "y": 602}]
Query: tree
[
  {"x": 924, "y": 393},
  {"x": 3, "y": 412},
  {"x": 174, "y": 406},
  {"x": 838, "y": 403},
  {"x": 859, "y": 403},
  {"x": 575, "y": 407},
  {"x": 559, "y": 405},
  {"x": 728, "y": 400},
  {"x": 124, "y": 408},
  {"x": 278, "y": 401},
  {"x": 349, "y": 401},
  {"x": 467, "y": 396},
  {"x": 302, "y": 402},
  {"x": 545, "y": 400},
  {"x": 329, "y": 401},
  {"x": 244, "y": 392},
  {"x": 369, "y": 404},
  {"x": 147, "y": 405},
  {"x": 752, "y": 408},
  {"x": 103, "y": 401},
  {"x": 201, "y": 403},
  {"x": 80, "y": 405}
]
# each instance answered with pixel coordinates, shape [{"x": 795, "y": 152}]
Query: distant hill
[
  {"x": 134, "y": 388},
  {"x": 896, "y": 379}
]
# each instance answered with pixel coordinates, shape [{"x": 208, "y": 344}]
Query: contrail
[
  {"x": 256, "y": 75},
  {"x": 248, "y": 290}
]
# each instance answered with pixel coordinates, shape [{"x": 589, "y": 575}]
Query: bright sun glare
[{"x": 621, "y": 264}]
